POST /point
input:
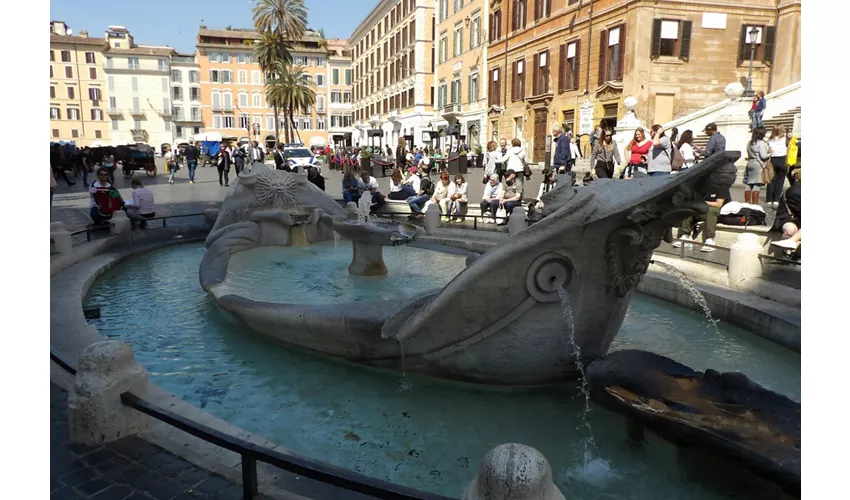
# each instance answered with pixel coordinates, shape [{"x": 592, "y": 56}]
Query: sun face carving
[{"x": 277, "y": 188}]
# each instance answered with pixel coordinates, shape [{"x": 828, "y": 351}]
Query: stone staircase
[{"x": 785, "y": 119}]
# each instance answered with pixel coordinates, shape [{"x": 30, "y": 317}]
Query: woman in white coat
[{"x": 516, "y": 162}]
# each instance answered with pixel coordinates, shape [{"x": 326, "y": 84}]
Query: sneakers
[
  {"x": 678, "y": 244},
  {"x": 446, "y": 219},
  {"x": 709, "y": 241},
  {"x": 191, "y": 182},
  {"x": 458, "y": 219}
]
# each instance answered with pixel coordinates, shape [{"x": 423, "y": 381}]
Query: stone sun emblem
[{"x": 276, "y": 187}]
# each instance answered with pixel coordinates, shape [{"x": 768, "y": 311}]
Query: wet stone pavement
[{"x": 128, "y": 469}]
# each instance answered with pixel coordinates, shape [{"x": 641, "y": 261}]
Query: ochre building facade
[{"x": 571, "y": 63}]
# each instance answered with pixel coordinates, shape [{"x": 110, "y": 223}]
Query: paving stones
[{"x": 129, "y": 469}]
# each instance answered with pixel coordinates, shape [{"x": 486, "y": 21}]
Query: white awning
[
  {"x": 208, "y": 136},
  {"x": 317, "y": 140}
]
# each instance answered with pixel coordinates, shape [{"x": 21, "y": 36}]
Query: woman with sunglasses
[
  {"x": 637, "y": 151},
  {"x": 105, "y": 199},
  {"x": 605, "y": 154}
]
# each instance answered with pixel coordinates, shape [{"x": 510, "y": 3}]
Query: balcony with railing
[
  {"x": 113, "y": 112},
  {"x": 139, "y": 135},
  {"x": 137, "y": 112},
  {"x": 452, "y": 111}
]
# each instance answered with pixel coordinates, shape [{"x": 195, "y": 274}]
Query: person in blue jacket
[{"x": 563, "y": 161}]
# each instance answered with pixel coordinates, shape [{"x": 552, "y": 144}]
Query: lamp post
[{"x": 749, "y": 92}]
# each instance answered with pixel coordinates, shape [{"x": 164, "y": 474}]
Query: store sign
[{"x": 586, "y": 118}]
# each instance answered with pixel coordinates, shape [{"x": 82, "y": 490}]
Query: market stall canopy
[{"x": 317, "y": 140}]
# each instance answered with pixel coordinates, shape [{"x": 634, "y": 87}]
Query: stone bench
[{"x": 727, "y": 235}]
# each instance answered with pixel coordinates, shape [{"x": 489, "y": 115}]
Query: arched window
[
  {"x": 216, "y": 100},
  {"x": 243, "y": 99},
  {"x": 257, "y": 100}
]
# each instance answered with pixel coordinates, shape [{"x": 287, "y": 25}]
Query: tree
[
  {"x": 271, "y": 54},
  {"x": 279, "y": 22},
  {"x": 291, "y": 90}
]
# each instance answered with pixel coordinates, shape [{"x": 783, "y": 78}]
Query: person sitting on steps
[
  {"x": 715, "y": 199},
  {"x": 141, "y": 207},
  {"x": 511, "y": 194}
]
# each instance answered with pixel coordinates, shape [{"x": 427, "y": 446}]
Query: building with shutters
[
  {"x": 393, "y": 66},
  {"x": 185, "y": 97},
  {"x": 139, "y": 90},
  {"x": 572, "y": 63},
  {"x": 232, "y": 87},
  {"x": 338, "y": 109},
  {"x": 77, "y": 87},
  {"x": 461, "y": 69}
]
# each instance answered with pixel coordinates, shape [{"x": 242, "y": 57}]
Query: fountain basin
[
  {"x": 499, "y": 320},
  {"x": 431, "y": 435}
]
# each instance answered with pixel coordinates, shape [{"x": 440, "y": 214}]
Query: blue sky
[{"x": 175, "y": 22}]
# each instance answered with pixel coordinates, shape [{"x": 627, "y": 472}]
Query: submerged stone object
[
  {"x": 726, "y": 413},
  {"x": 499, "y": 321},
  {"x": 513, "y": 472}
]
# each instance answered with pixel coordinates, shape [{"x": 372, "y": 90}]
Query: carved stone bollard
[
  {"x": 210, "y": 216},
  {"x": 513, "y": 471},
  {"x": 432, "y": 218},
  {"x": 119, "y": 223},
  {"x": 95, "y": 412},
  {"x": 60, "y": 239},
  {"x": 517, "y": 222},
  {"x": 744, "y": 262}
]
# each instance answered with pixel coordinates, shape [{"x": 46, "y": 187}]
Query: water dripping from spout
[
  {"x": 404, "y": 384},
  {"x": 700, "y": 301},
  {"x": 567, "y": 312}
]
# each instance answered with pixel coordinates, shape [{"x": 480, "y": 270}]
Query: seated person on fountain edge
[
  {"x": 370, "y": 184},
  {"x": 491, "y": 198},
  {"x": 426, "y": 191},
  {"x": 511, "y": 194},
  {"x": 398, "y": 189},
  {"x": 350, "y": 188},
  {"x": 715, "y": 199},
  {"x": 441, "y": 195},
  {"x": 141, "y": 207}
]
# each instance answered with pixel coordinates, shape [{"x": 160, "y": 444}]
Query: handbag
[
  {"x": 767, "y": 172},
  {"x": 526, "y": 170}
]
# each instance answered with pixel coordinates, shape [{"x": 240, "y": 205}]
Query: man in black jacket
[
  {"x": 426, "y": 191},
  {"x": 279, "y": 160}
]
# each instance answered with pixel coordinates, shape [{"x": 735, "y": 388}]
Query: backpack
[
  {"x": 676, "y": 161},
  {"x": 744, "y": 217}
]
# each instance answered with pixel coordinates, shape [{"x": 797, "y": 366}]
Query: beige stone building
[
  {"x": 139, "y": 90},
  {"x": 340, "y": 105},
  {"x": 461, "y": 69},
  {"x": 573, "y": 63},
  {"x": 232, "y": 87},
  {"x": 77, "y": 87},
  {"x": 393, "y": 71}
]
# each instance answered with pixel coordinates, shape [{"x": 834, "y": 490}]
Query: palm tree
[
  {"x": 287, "y": 18},
  {"x": 271, "y": 54},
  {"x": 291, "y": 90},
  {"x": 279, "y": 22}
]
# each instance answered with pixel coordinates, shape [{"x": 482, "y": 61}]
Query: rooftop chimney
[{"x": 84, "y": 33}]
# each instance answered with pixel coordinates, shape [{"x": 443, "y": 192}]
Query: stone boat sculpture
[{"x": 500, "y": 320}]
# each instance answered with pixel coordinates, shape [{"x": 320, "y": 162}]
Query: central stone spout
[{"x": 367, "y": 240}]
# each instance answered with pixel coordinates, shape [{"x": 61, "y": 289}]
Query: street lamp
[{"x": 754, "y": 31}]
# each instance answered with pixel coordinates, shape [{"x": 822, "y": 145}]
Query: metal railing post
[
  {"x": 164, "y": 223},
  {"x": 249, "y": 477}
]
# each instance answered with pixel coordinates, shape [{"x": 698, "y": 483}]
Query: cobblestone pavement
[{"x": 128, "y": 469}]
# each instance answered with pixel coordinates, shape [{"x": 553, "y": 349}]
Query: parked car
[{"x": 300, "y": 157}]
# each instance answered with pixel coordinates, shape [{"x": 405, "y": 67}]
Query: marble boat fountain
[{"x": 506, "y": 328}]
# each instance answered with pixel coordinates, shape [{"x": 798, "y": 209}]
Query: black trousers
[
  {"x": 225, "y": 173},
  {"x": 605, "y": 170},
  {"x": 774, "y": 189}
]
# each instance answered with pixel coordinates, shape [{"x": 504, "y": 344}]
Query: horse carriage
[{"x": 138, "y": 157}]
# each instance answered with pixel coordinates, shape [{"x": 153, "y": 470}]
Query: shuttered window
[
  {"x": 760, "y": 45},
  {"x": 612, "y": 54},
  {"x": 518, "y": 80},
  {"x": 671, "y": 39},
  {"x": 540, "y": 73},
  {"x": 570, "y": 58}
]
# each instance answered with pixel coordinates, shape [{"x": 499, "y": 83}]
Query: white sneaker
[
  {"x": 709, "y": 241},
  {"x": 678, "y": 244}
]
